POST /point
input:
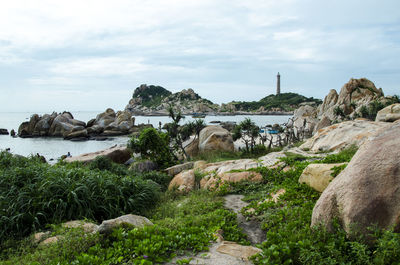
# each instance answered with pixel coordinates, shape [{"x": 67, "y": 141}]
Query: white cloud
[{"x": 230, "y": 43}]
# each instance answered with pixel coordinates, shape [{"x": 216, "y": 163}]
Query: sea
[{"x": 53, "y": 148}]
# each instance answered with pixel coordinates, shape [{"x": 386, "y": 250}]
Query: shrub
[
  {"x": 33, "y": 194},
  {"x": 153, "y": 145}
]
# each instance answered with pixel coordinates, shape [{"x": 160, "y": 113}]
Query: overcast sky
[{"x": 90, "y": 55}]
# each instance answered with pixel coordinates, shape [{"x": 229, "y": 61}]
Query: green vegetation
[
  {"x": 248, "y": 131},
  {"x": 371, "y": 110},
  {"x": 183, "y": 224},
  {"x": 152, "y": 95},
  {"x": 34, "y": 194},
  {"x": 285, "y": 101},
  {"x": 155, "y": 146}
]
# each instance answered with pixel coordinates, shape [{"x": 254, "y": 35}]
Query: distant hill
[
  {"x": 281, "y": 102},
  {"x": 155, "y": 100}
]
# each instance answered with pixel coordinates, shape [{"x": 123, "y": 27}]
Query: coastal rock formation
[
  {"x": 318, "y": 176},
  {"x": 155, "y": 100},
  {"x": 366, "y": 192},
  {"x": 389, "y": 114},
  {"x": 56, "y": 124},
  {"x": 354, "y": 97},
  {"x": 214, "y": 138},
  {"x": 342, "y": 135},
  {"x": 305, "y": 118},
  {"x": 108, "y": 123},
  {"x": 117, "y": 154}
]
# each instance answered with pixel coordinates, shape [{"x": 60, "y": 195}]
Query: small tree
[
  {"x": 248, "y": 131},
  {"x": 153, "y": 145},
  {"x": 179, "y": 133}
]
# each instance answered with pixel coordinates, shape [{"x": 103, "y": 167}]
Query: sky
[{"x": 84, "y": 55}]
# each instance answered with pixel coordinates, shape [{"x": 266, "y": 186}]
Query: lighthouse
[{"x": 278, "y": 84}]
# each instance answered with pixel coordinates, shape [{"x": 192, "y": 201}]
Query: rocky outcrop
[
  {"x": 353, "y": 97},
  {"x": 117, "y": 154},
  {"x": 366, "y": 192},
  {"x": 125, "y": 220},
  {"x": 3, "y": 132},
  {"x": 318, "y": 176},
  {"x": 214, "y": 138},
  {"x": 155, "y": 100},
  {"x": 110, "y": 123},
  {"x": 304, "y": 118},
  {"x": 389, "y": 114},
  {"x": 56, "y": 125},
  {"x": 342, "y": 135}
]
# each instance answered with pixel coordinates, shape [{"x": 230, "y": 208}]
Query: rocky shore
[{"x": 106, "y": 124}]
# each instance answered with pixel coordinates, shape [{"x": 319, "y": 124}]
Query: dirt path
[
  {"x": 214, "y": 255},
  {"x": 251, "y": 228}
]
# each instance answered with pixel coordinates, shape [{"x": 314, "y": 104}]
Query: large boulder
[
  {"x": 389, "y": 114},
  {"x": 215, "y": 137},
  {"x": 117, "y": 154},
  {"x": 183, "y": 182},
  {"x": 318, "y": 176},
  {"x": 305, "y": 118},
  {"x": 105, "y": 118},
  {"x": 342, "y": 135},
  {"x": 125, "y": 220},
  {"x": 366, "y": 192}
]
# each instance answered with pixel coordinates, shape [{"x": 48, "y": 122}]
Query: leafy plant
[
  {"x": 33, "y": 194},
  {"x": 155, "y": 146},
  {"x": 246, "y": 130}
]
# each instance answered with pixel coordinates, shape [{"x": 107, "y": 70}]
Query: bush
[
  {"x": 153, "y": 145},
  {"x": 33, "y": 194}
]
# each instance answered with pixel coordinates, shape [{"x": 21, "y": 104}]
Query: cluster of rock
[
  {"x": 354, "y": 95},
  {"x": 365, "y": 193},
  {"x": 186, "y": 101},
  {"x": 64, "y": 125}
]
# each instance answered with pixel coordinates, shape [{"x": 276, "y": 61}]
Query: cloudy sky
[{"x": 90, "y": 55}]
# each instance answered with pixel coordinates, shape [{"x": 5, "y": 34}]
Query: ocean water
[{"x": 54, "y": 148}]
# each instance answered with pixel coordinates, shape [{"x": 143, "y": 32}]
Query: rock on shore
[{"x": 366, "y": 192}]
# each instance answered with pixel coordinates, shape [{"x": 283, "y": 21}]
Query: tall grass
[{"x": 33, "y": 194}]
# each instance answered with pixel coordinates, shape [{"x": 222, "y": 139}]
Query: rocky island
[{"x": 155, "y": 100}]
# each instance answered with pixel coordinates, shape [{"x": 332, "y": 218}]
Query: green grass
[
  {"x": 33, "y": 194},
  {"x": 184, "y": 224}
]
